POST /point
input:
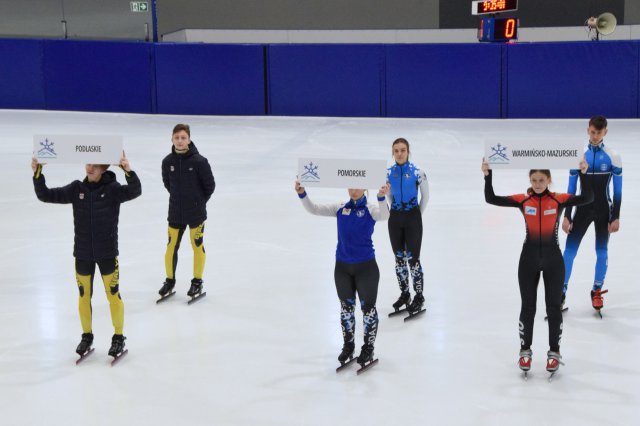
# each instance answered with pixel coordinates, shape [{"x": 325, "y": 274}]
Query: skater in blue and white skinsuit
[
  {"x": 356, "y": 270},
  {"x": 605, "y": 166},
  {"x": 405, "y": 223}
]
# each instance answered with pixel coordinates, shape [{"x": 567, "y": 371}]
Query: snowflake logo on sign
[
  {"x": 310, "y": 174},
  {"x": 498, "y": 155},
  {"x": 47, "y": 150}
]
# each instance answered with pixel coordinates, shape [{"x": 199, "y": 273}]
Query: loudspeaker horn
[{"x": 606, "y": 23}]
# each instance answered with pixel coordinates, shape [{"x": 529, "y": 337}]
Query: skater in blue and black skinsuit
[
  {"x": 356, "y": 270},
  {"x": 605, "y": 166},
  {"x": 405, "y": 223}
]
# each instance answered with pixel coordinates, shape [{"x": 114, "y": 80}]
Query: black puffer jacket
[
  {"x": 96, "y": 207},
  {"x": 190, "y": 183}
]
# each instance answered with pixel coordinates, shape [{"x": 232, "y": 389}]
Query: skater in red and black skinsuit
[{"x": 542, "y": 210}]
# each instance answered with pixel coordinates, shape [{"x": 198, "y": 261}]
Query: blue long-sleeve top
[
  {"x": 605, "y": 166},
  {"x": 356, "y": 220}
]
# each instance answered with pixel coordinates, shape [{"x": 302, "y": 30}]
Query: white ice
[{"x": 261, "y": 348}]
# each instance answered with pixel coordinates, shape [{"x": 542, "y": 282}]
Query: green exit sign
[{"x": 139, "y": 6}]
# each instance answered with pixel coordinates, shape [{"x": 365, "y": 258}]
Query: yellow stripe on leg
[
  {"x": 174, "y": 239},
  {"x": 199, "y": 256},
  {"x": 112, "y": 288},
  {"x": 84, "y": 301}
]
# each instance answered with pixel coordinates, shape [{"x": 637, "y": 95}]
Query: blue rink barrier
[
  {"x": 21, "y": 74},
  {"x": 567, "y": 80},
  {"x": 98, "y": 76},
  {"x": 475, "y": 80},
  {"x": 443, "y": 80},
  {"x": 210, "y": 79},
  {"x": 326, "y": 80}
]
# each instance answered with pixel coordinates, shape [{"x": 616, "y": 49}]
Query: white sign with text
[
  {"x": 534, "y": 154},
  {"x": 342, "y": 173},
  {"x": 84, "y": 149}
]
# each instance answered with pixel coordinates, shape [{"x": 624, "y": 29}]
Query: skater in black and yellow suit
[
  {"x": 96, "y": 209},
  {"x": 187, "y": 176}
]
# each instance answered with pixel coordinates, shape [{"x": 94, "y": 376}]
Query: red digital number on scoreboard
[
  {"x": 490, "y": 6},
  {"x": 493, "y": 6}
]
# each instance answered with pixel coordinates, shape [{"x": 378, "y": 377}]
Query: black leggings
[
  {"x": 405, "y": 234},
  {"x": 535, "y": 259},
  {"x": 361, "y": 278}
]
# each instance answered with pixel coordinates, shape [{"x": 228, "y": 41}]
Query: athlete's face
[
  {"x": 180, "y": 140},
  {"x": 400, "y": 153},
  {"x": 356, "y": 194},
  {"x": 94, "y": 171},
  {"x": 595, "y": 135},
  {"x": 539, "y": 182}
]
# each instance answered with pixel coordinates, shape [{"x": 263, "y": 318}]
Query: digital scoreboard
[
  {"x": 498, "y": 29},
  {"x": 494, "y": 29},
  {"x": 494, "y": 6}
]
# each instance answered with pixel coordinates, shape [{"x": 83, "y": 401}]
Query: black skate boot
[
  {"x": 84, "y": 349},
  {"x": 117, "y": 349},
  {"x": 167, "y": 289},
  {"x": 416, "y": 307},
  {"x": 365, "y": 359},
  {"x": 346, "y": 356},
  {"x": 195, "y": 291},
  {"x": 404, "y": 299},
  {"x": 347, "y": 352}
]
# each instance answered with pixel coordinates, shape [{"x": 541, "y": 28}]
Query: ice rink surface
[{"x": 261, "y": 347}]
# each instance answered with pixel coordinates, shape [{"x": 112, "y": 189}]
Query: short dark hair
[
  {"x": 598, "y": 121},
  {"x": 180, "y": 127}
]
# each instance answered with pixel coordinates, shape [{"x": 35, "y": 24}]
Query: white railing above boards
[{"x": 467, "y": 35}]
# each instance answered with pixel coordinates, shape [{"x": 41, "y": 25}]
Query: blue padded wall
[
  {"x": 326, "y": 80},
  {"x": 21, "y": 74},
  {"x": 520, "y": 80},
  {"x": 98, "y": 76},
  {"x": 572, "y": 80},
  {"x": 210, "y": 79},
  {"x": 443, "y": 80}
]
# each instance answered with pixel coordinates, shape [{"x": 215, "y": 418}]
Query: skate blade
[
  {"x": 412, "y": 316},
  {"x": 525, "y": 376},
  {"x": 599, "y": 313},
  {"x": 165, "y": 297},
  {"x": 551, "y": 375},
  {"x": 85, "y": 356},
  {"x": 196, "y": 297},
  {"x": 346, "y": 364},
  {"x": 119, "y": 356},
  {"x": 563, "y": 310},
  {"x": 397, "y": 312},
  {"x": 366, "y": 366}
]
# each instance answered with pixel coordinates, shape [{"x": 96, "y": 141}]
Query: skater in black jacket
[
  {"x": 188, "y": 178},
  {"x": 96, "y": 208}
]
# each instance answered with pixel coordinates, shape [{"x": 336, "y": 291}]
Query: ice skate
[
  {"x": 554, "y": 360},
  {"x": 525, "y": 361},
  {"x": 195, "y": 291},
  {"x": 117, "y": 349},
  {"x": 167, "y": 290},
  {"x": 365, "y": 359},
  {"x": 346, "y": 356},
  {"x": 416, "y": 307},
  {"x": 404, "y": 299},
  {"x": 85, "y": 348},
  {"x": 597, "y": 301}
]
